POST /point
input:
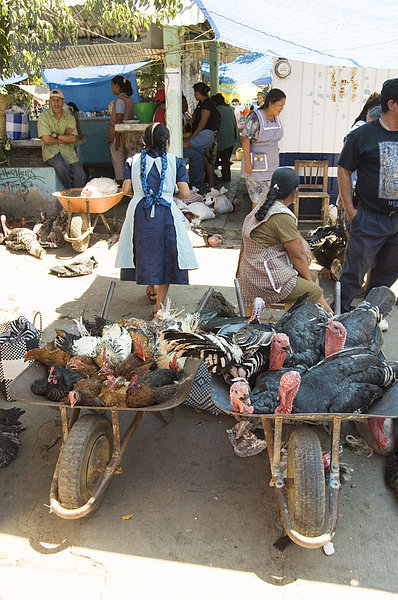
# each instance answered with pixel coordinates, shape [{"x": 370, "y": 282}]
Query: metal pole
[
  {"x": 205, "y": 299},
  {"x": 337, "y": 298},
  {"x": 239, "y": 297}
]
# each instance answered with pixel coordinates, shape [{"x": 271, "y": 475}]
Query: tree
[{"x": 30, "y": 29}]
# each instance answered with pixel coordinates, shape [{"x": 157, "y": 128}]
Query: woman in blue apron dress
[
  {"x": 260, "y": 137},
  {"x": 154, "y": 248}
]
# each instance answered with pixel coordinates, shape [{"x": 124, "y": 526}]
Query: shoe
[{"x": 383, "y": 325}]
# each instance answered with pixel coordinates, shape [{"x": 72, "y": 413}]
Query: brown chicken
[
  {"x": 84, "y": 365},
  {"x": 113, "y": 392},
  {"x": 48, "y": 355},
  {"x": 84, "y": 396},
  {"x": 138, "y": 394},
  {"x": 132, "y": 364}
]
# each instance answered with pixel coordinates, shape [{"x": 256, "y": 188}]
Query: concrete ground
[{"x": 186, "y": 518}]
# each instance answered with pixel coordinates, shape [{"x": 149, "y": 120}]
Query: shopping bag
[
  {"x": 17, "y": 126},
  {"x": 16, "y": 338}
]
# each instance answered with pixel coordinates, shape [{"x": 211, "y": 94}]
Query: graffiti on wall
[{"x": 20, "y": 180}]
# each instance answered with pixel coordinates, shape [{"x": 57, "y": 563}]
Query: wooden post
[
  {"x": 214, "y": 60},
  {"x": 172, "y": 77}
]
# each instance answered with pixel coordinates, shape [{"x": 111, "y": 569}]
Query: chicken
[
  {"x": 130, "y": 364},
  {"x": 348, "y": 382},
  {"x": 52, "y": 230},
  {"x": 114, "y": 391},
  {"x": 328, "y": 245},
  {"x": 84, "y": 365},
  {"x": 139, "y": 394},
  {"x": 10, "y": 427},
  {"x": 115, "y": 340},
  {"x": 85, "y": 397},
  {"x": 163, "y": 393},
  {"x": 58, "y": 384},
  {"x": 48, "y": 355}
]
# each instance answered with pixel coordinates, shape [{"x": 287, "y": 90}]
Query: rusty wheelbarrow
[{"x": 91, "y": 449}]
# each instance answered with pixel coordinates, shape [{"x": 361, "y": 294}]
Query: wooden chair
[{"x": 314, "y": 175}]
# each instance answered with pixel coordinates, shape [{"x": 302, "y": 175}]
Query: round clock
[{"x": 282, "y": 68}]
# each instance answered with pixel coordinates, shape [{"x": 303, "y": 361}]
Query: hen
[
  {"x": 114, "y": 391},
  {"x": 10, "y": 427},
  {"x": 22, "y": 238},
  {"x": 58, "y": 384},
  {"x": 84, "y": 365},
  {"x": 48, "y": 355}
]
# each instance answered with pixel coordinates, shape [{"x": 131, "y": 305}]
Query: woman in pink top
[{"x": 122, "y": 110}]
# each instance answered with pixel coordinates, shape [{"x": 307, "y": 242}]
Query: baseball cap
[
  {"x": 160, "y": 96},
  {"x": 56, "y": 94}
]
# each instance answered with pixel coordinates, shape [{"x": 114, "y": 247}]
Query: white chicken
[{"x": 100, "y": 186}]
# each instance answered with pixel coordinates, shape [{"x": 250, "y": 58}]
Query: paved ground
[{"x": 201, "y": 520}]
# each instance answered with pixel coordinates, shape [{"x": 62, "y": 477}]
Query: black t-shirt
[
  {"x": 373, "y": 152},
  {"x": 207, "y": 104}
]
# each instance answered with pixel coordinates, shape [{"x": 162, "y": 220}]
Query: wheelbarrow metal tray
[
  {"x": 21, "y": 392},
  {"x": 387, "y": 406},
  {"x": 101, "y": 204}
]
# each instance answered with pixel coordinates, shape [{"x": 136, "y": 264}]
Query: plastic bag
[
  {"x": 219, "y": 201},
  {"x": 200, "y": 210}
]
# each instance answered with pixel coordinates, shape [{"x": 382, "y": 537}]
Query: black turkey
[
  {"x": 348, "y": 382},
  {"x": 10, "y": 427}
]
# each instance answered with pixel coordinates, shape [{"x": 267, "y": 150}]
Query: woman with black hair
[
  {"x": 205, "y": 120},
  {"x": 260, "y": 137},
  {"x": 154, "y": 248},
  {"x": 227, "y": 135},
  {"x": 274, "y": 260},
  {"x": 122, "y": 110}
]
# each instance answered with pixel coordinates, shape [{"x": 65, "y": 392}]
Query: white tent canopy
[{"x": 359, "y": 33}]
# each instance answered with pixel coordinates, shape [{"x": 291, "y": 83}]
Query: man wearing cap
[
  {"x": 373, "y": 243},
  {"x": 57, "y": 130}
]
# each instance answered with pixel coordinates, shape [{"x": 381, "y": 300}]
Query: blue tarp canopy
[
  {"x": 361, "y": 33},
  {"x": 90, "y": 87},
  {"x": 247, "y": 68},
  {"x": 14, "y": 79}
]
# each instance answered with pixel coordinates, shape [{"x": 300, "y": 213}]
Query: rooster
[{"x": 48, "y": 355}]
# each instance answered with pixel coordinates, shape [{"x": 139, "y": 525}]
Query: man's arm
[
  {"x": 345, "y": 192},
  {"x": 61, "y": 138}
]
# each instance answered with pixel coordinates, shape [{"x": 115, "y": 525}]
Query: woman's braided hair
[
  {"x": 283, "y": 182},
  {"x": 156, "y": 137}
]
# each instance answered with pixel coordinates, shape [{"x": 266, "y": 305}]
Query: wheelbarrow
[
  {"x": 91, "y": 449},
  {"x": 79, "y": 209}
]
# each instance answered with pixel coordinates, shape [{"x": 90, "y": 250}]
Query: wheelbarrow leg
[{"x": 106, "y": 224}]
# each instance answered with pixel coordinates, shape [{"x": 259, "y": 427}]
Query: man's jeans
[{"x": 72, "y": 175}]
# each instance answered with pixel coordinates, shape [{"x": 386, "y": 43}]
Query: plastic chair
[{"x": 314, "y": 184}]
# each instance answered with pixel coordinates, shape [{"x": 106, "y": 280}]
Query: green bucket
[{"x": 144, "y": 111}]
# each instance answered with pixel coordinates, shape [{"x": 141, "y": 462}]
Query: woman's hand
[
  {"x": 246, "y": 154},
  {"x": 248, "y": 166}
]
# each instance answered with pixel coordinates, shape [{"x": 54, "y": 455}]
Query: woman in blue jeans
[{"x": 204, "y": 124}]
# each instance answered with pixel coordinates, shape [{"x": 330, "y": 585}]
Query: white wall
[{"x": 323, "y": 102}]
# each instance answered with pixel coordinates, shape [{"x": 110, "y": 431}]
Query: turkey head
[{"x": 288, "y": 388}]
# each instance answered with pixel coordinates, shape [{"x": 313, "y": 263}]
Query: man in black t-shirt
[{"x": 372, "y": 150}]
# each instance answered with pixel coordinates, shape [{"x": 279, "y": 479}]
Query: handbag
[{"x": 16, "y": 338}]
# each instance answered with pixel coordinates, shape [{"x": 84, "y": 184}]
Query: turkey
[
  {"x": 328, "y": 245},
  {"x": 308, "y": 326},
  {"x": 345, "y": 383},
  {"x": 22, "y": 238}
]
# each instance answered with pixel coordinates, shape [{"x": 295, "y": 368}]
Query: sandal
[{"x": 152, "y": 297}]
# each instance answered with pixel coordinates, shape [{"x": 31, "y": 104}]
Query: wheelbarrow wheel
[
  {"x": 86, "y": 452},
  {"x": 306, "y": 491},
  {"x": 78, "y": 226}
]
